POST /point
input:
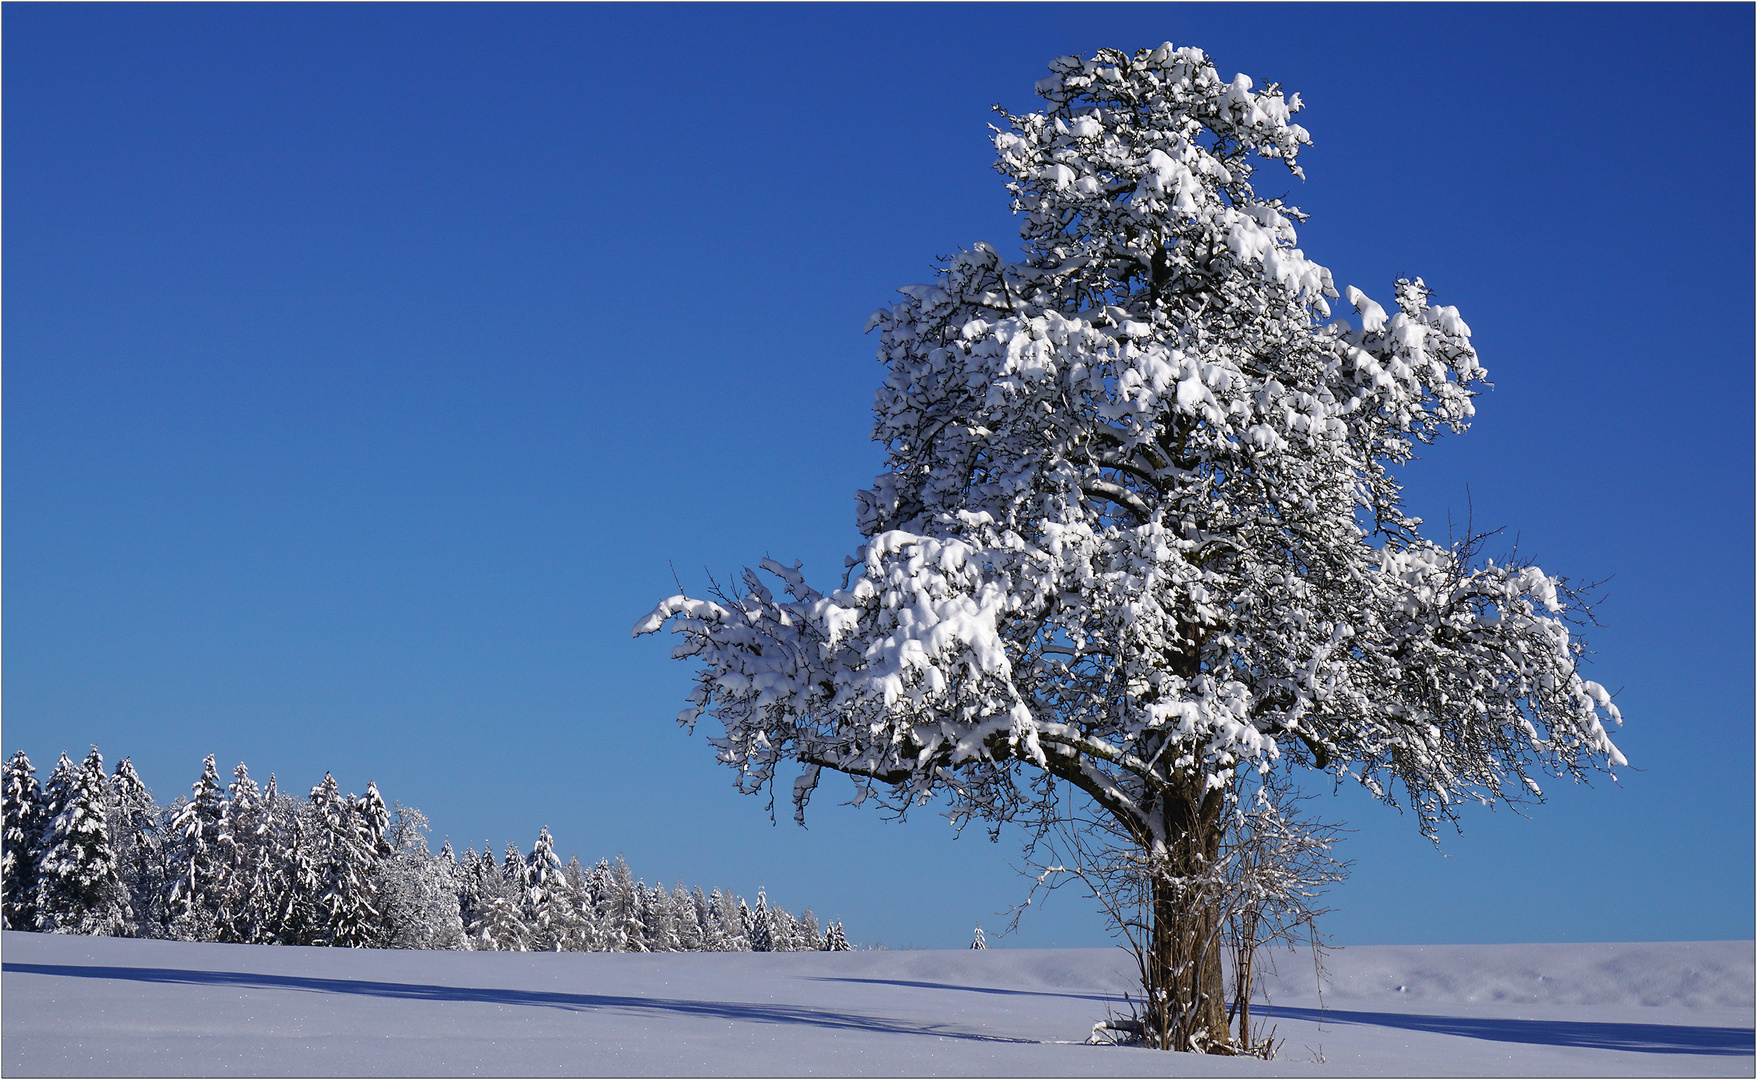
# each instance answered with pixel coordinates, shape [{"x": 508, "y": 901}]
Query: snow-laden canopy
[{"x": 1138, "y": 528}]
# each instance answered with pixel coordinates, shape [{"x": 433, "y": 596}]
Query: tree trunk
[
  {"x": 1186, "y": 999},
  {"x": 1244, "y": 966}
]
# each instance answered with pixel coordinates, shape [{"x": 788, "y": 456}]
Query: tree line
[{"x": 90, "y": 853}]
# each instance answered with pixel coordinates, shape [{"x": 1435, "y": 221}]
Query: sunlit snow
[{"x": 110, "y": 1006}]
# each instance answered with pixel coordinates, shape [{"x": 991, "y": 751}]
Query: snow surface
[{"x": 108, "y": 1006}]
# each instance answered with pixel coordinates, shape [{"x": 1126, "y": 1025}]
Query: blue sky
[{"x": 369, "y": 369}]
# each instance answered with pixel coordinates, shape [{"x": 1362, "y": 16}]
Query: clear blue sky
[{"x": 367, "y": 369}]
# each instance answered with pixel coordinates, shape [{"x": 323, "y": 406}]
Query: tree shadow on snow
[
  {"x": 970, "y": 989},
  {"x": 1588, "y": 1034},
  {"x": 769, "y": 1013}
]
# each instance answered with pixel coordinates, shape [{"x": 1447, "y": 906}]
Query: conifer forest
[{"x": 90, "y": 853}]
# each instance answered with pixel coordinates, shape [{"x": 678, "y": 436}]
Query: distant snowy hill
[{"x": 109, "y": 1006}]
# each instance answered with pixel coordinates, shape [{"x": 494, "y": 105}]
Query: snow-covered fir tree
[
  {"x": 660, "y": 924},
  {"x": 55, "y": 792},
  {"x": 581, "y": 934},
  {"x": 497, "y": 920},
  {"x": 79, "y": 884},
  {"x": 374, "y": 820},
  {"x": 1139, "y": 532},
  {"x": 747, "y": 931},
  {"x": 578, "y": 928},
  {"x": 345, "y": 853},
  {"x": 243, "y": 840},
  {"x": 600, "y": 886},
  {"x": 836, "y": 940},
  {"x": 686, "y": 925},
  {"x": 293, "y": 845},
  {"x": 543, "y": 895},
  {"x": 765, "y": 935},
  {"x": 721, "y": 929},
  {"x": 21, "y": 847},
  {"x": 704, "y": 918},
  {"x": 135, "y": 838},
  {"x": 198, "y": 887},
  {"x": 979, "y": 941},
  {"x": 627, "y": 915},
  {"x": 500, "y": 924},
  {"x": 469, "y": 886}
]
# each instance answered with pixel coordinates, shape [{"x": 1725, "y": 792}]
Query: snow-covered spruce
[
  {"x": 198, "y": 853},
  {"x": 89, "y": 854},
  {"x": 1139, "y": 533},
  {"x": 79, "y": 884},
  {"x": 23, "y": 829}
]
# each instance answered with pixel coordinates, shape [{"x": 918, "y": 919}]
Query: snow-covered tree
[
  {"x": 747, "y": 931},
  {"x": 469, "y": 889},
  {"x": 783, "y": 930},
  {"x": 721, "y": 931},
  {"x": 500, "y": 924},
  {"x": 601, "y": 891},
  {"x": 375, "y": 821},
  {"x": 581, "y": 933},
  {"x": 199, "y": 858},
  {"x": 686, "y": 923},
  {"x": 811, "y": 939},
  {"x": 242, "y": 840},
  {"x": 295, "y": 883},
  {"x": 979, "y": 941},
  {"x": 659, "y": 924},
  {"x": 56, "y": 787},
  {"x": 626, "y": 920},
  {"x": 416, "y": 892},
  {"x": 79, "y": 883},
  {"x": 495, "y": 917},
  {"x": 1139, "y": 531},
  {"x": 345, "y": 858},
  {"x": 56, "y": 791},
  {"x": 23, "y": 829},
  {"x": 543, "y": 895},
  {"x": 836, "y": 940},
  {"x": 135, "y": 837}
]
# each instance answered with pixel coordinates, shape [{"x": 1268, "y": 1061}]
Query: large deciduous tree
[{"x": 1139, "y": 532}]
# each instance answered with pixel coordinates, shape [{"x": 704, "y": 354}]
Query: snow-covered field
[{"x": 104, "y": 1006}]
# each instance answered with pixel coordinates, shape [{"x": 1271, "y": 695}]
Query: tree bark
[{"x": 1186, "y": 999}]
